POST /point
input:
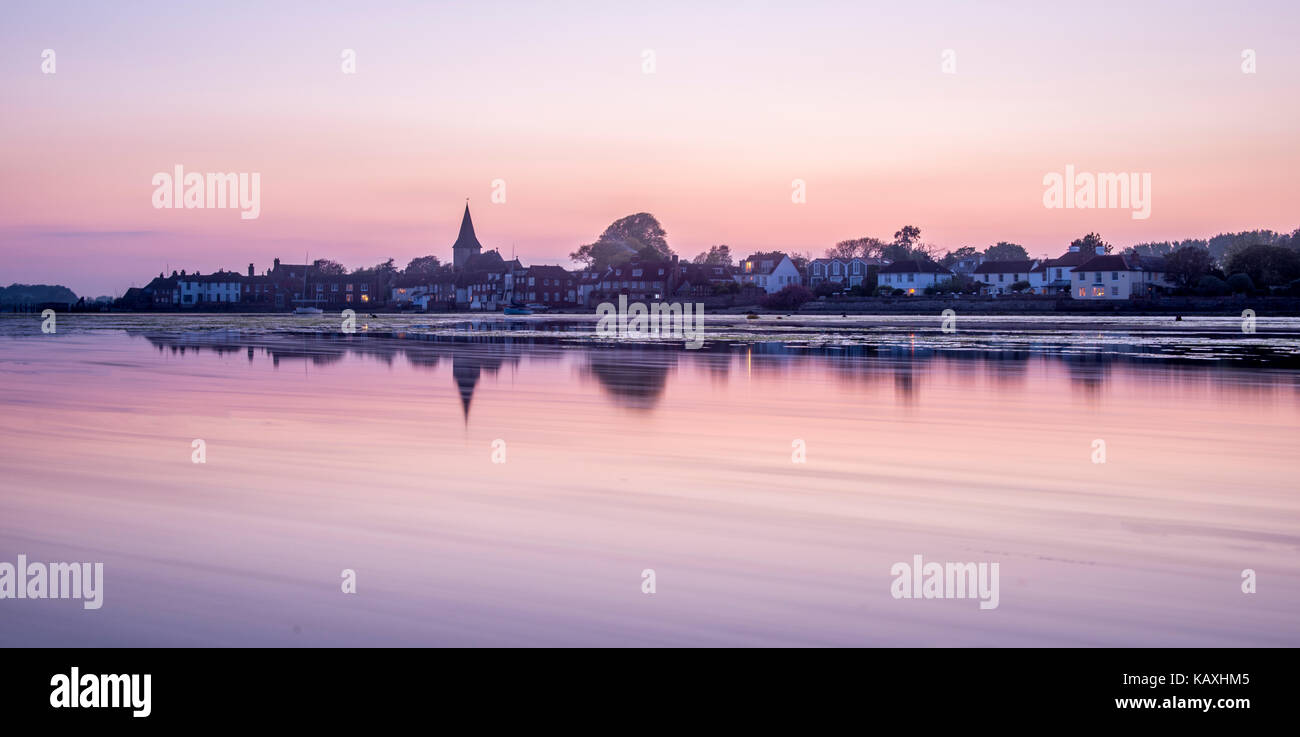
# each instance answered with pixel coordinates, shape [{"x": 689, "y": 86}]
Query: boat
[
  {"x": 305, "y": 309},
  {"x": 517, "y": 311}
]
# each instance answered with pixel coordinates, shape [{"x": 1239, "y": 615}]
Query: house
[
  {"x": 257, "y": 290},
  {"x": 966, "y": 266},
  {"x": 913, "y": 276},
  {"x": 998, "y": 277},
  {"x": 644, "y": 281},
  {"x": 343, "y": 291},
  {"x": 849, "y": 272},
  {"x": 218, "y": 288},
  {"x": 588, "y": 281},
  {"x": 1056, "y": 275},
  {"x": 770, "y": 272},
  {"x": 552, "y": 286},
  {"x": 162, "y": 292},
  {"x": 705, "y": 280},
  {"x": 1119, "y": 276}
]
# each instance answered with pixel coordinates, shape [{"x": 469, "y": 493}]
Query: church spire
[{"x": 466, "y": 244}]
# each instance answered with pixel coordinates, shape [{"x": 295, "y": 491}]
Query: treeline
[{"x": 20, "y": 294}]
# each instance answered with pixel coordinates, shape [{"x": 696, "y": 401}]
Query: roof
[
  {"x": 648, "y": 268},
  {"x": 1005, "y": 267},
  {"x": 1071, "y": 258},
  {"x": 467, "y": 239},
  {"x": 914, "y": 266},
  {"x": 485, "y": 261},
  {"x": 548, "y": 271},
  {"x": 758, "y": 259},
  {"x": 1121, "y": 262}
]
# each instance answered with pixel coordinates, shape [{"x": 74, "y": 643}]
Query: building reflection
[{"x": 637, "y": 376}]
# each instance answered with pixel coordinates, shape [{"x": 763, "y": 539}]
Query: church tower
[{"x": 466, "y": 243}]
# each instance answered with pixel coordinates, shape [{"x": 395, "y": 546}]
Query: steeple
[{"x": 466, "y": 244}]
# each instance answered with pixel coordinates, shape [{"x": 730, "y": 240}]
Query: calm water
[{"x": 374, "y": 454}]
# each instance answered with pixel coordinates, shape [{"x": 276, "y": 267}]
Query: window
[
  {"x": 857, "y": 267},
  {"x": 365, "y": 287},
  {"x": 1058, "y": 273},
  {"x": 1114, "y": 276},
  {"x": 636, "y": 272},
  {"x": 334, "y": 287},
  {"x": 1002, "y": 277},
  {"x": 911, "y": 277},
  {"x": 1114, "y": 291},
  {"x": 1082, "y": 275}
]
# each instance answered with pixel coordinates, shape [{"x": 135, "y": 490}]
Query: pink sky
[{"x": 551, "y": 98}]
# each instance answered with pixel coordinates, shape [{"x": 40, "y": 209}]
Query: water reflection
[{"x": 637, "y": 376}]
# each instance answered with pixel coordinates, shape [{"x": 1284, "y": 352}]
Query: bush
[
  {"x": 827, "y": 288},
  {"x": 884, "y": 291},
  {"x": 1020, "y": 286},
  {"x": 1241, "y": 284},
  {"x": 897, "y": 293},
  {"x": 1212, "y": 285},
  {"x": 790, "y": 297}
]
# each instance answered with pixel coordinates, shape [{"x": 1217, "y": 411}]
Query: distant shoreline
[{"x": 900, "y": 306}]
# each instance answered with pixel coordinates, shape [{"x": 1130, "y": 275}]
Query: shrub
[
  {"x": 1240, "y": 284},
  {"x": 1020, "y": 286},
  {"x": 1212, "y": 285},
  {"x": 790, "y": 297}
]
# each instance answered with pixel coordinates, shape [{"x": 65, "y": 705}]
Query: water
[{"x": 373, "y": 452}]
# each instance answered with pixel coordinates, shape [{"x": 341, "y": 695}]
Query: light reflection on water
[{"x": 374, "y": 454}]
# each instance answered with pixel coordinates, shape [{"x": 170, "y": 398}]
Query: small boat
[
  {"x": 309, "y": 311},
  {"x": 517, "y": 311}
]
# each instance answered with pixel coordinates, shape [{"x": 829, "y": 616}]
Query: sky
[{"x": 556, "y": 101}]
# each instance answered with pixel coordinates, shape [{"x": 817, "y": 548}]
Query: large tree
[
  {"x": 1188, "y": 264},
  {"x": 908, "y": 235},
  {"x": 635, "y": 236},
  {"x": 422, "y": 266},
  {"x": 865, "y": 247},
  {"x": 1004, "y": 251},
  {"x": 1266, "y": 265}
]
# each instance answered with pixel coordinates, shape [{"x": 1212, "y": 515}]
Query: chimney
[
  {"x": 250, "y": 269},
  {"x": 182, "y": 272},
  {"x": 1101, "y": 250},
  {"x": 277, "y": 263}
]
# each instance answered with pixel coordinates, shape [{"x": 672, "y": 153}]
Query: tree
[
  {"x": 1241, "y": 284},
  {"x": 1188, "y": 264},
  {"x": 908, "y": 235},
  {"x": 953, "y": 257},
  {"x": 715, "y": 256},
  {"x": 1212, "y": 285},
  {"x": 640, "y": 236},
  {"x": 1266, "y": 265},
  {"x": 1004, "y": 251},
  {"x": 865, "y": 247},
  {"x": 1090, "y": 242},
  {"x": 383, "y": 268},
  {"x": 328, "y": 267},
  {"x": 422, "y": 265}
]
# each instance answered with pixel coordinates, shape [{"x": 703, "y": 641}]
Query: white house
[
  {"x": 1119, "y": 277},
  {"x": 771, "y": 272},
  {"x": 999, "y": 276},
  {"x": 1056, "y": 275},
  {"x": 222, "y": 287},
  {"x": 913, "y": 276}
]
